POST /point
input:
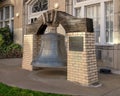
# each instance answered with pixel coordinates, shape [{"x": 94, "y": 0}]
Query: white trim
[
  {"x": 114, "y": 41},
  {"x": 29, "y": 2},
  {"x": 10, "y": 21},
  {"x": 105, "y": 44},
  {"x": 73, "y": 9},
  {"x": 82, "y": 11},
  {"x": 102, "y": 23},
  {"x": 3, "y": 16},
  {"x": 89, "y": 2}
]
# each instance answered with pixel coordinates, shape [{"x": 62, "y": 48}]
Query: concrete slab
[{"x": 54, "y": 80}]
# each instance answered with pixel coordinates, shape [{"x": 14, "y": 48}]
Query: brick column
[
  {"x": 81, "y": 62},
  {"x": 30, "y": 50}
]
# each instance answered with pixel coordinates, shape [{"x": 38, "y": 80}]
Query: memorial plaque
[{"x": 76, "y": 43}]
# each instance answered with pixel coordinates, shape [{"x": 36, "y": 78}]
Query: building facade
[
  {"x": 101, "y": 11},
  {"x": 11, "y": 14},
  {"x": 34, "y": 8},
  {"x": 17, "y": 14},
  {"x": 105, "y": 15},
  {"x": 106, "y": 20}
]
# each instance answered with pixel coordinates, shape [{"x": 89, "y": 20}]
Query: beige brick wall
[
  {"x": 18, "y": 21},
  {"x": 18, "y": 8},
  {"x": 30, "y": 51},
  {"x": 7, "y": 2},
  {"x": 60, "y": 2},
  {"x": 81, "y": 65}
]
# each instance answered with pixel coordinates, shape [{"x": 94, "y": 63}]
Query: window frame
[
  {"x": 9, "y": 19},
  {"x": 34, "y": 15},
  {"x": 109, "y": 16},
  {"x": 78, "y": 12},
  {"x": 85, "y": 3},
  {"x": 94, "y": 14}
]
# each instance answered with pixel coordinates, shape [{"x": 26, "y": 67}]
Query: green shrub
[
  {"x": 1, "y": 40},
  {"x": 13, "y": 47},
  {"x": 14, "y": 50},
  {"x": 8, "y": 49},
  {"x": 11, "y": 51},
  {"x": 6, "y": 35}
]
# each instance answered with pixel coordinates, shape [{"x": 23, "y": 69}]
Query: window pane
[
  {"x": 12, "y": 11},
  {"x": 107, "y": 35},
  {"x": 7, "y": 20},
  {"x": 78, "y": 13},
  {"x": 6, "y": 23},
  {"x": 7, "y": 12},
  {"x": 93, "y": 12},
  {"x": 1, "y": 14},
  {"x": 40, "y": 5},
  {"x": 80, "y": 0},
  {"x": 12, "y": 25},
  {"x": 109, "y": 21},
  {"x": 1, "y": 24},
  {"x": 45, "y": 4},
  {"x": 89, "y": 12},
  {"x": 33, "y": 20}
]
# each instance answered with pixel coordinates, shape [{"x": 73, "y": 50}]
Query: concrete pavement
[{"x": 54, "y": 80}]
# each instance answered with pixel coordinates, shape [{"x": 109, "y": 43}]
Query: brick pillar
[
  {"x": 81, "y": 58},
  {"x": 30, "y": 50}
]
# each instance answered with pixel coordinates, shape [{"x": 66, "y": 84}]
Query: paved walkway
[{"x": 12, "y": 74}]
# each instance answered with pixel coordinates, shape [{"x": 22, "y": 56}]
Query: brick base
[
  {"x": 30, "y": 51},
  {"x": 81, "y": 65}
]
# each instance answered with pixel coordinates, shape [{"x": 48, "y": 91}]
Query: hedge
[{"x": 8, "y": 49}]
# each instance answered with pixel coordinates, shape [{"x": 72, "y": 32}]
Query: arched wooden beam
[{"x": 54, "y": 18}]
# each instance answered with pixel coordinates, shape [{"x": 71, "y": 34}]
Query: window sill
[{"x": 106, "y": 44}]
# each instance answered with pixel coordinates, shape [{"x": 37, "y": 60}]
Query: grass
[{"x": 6, "y": 90}]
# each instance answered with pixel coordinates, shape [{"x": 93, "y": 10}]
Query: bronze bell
[{"x": 52, "y": 51}]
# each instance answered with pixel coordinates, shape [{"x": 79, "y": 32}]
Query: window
[
  {"x": 93, "y": 11},
  {"x": 35, "y": 9},
  {"x": 12, "y": 11},
  {"x": 67, "y": 6},
  {"x": 80, "y": 0},
  {"x": 1, "y": 25},
  {"x": 1, "y": 14},
  {"x": 33, "y": 20},
  {"x": 101, "y": 12},
  {"x": 78, "y": 12},
  {"x": 7, "y": 17},
  {"x": 40, "y": 5},
  {"x": 109, "y": 21},
  {"x": 7, "y": 23},
  {"x": 12, "y": 25},
  {"x": 7, "y": 12}
]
